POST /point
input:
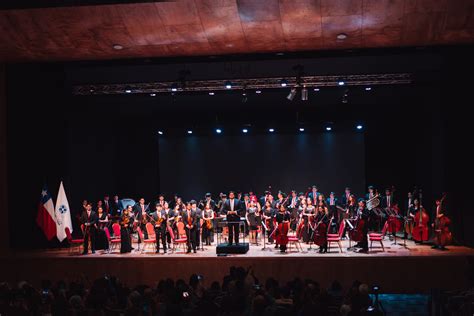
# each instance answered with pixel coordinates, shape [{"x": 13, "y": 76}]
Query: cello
[
  {"x": 320, "y": 232},
  {"x": 443, "y": 235},
  {"x": 420, "y": 229},
  {"x": 357, "y": 233}
]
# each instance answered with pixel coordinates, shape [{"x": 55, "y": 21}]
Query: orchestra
[{"x": 309, "y": 217}]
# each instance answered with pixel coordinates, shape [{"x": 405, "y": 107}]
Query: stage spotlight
[
  {"x": 211, "y": 93},
  {"x": 245, "y": 131},
  {"x": 190, "y": 132},
  {"x": 152, "y": 94},
  {"x": 341, "y": 83},
  {"x": 244, "y": 97},
  {"x": 359, "y": 127},
  {"x": 258, "y": 91},
  {"x": 174, "y": 87},
  {"x": 345, "y": 97},
  {"x": 271, "y": 130},
  {"x": 218, "y": 131},
  {"x": 160, "y": 132},
  {"x": 328, "y": 128},
  {"x": 228, "y": 85},
  {"x": 316, "y": 89},
  {"x": 283, "y": 82},
  {"x": 292, "y": 94},
  {"x": 301, "y": 129},
  {"x": 304, "y": 94},
  {"x": 128, "y": 91},
  {"x": 368, "y": 88}
]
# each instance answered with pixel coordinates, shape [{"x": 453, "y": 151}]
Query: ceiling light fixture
[
  {"x": 292, "y": 94},
  {"x": 341, "y": 36}
]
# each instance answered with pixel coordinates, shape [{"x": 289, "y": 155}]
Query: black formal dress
[
  {"x": 269, "y": 214},
  {"x": 125, "y": 229},
  {"x": 101, "y": 241}
]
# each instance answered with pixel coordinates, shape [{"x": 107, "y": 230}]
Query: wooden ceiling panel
[
  {"x": 421, "y": 29},
  {"x": 213, "y": 27},
  {"x": 261, "y": 10},
  {"x": 382, "y": 22},
  {"x": 349, "y": 25},
  {"x": 221, "y": 22},
  {"x": 178, "y": 12},
  {"x": 264, "y": 32},
  {"x": 341, "y": 7},
  {"x": 301, "y": 18},
  {"x": 144, "y": 25},
  {"x": 425, "y": 6}
]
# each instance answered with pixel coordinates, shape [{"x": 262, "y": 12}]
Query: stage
[{"x": 415, "y": 269}]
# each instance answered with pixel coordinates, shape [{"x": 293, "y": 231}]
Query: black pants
[
  {"x": 160, "y": 235},
  {"x": 197, "y": 236},
  {"x": 191, "y": 235},
  {"x": 89, "y": 233},
  {"x": 233, "y": 232}
]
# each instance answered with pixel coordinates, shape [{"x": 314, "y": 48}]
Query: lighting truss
[{"x": 239, "y": 84}]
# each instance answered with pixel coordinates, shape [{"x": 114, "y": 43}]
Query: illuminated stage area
[{"x": 391, "y": 269}]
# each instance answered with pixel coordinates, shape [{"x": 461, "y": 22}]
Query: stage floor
[
  {"x": 399, "y": 249},
  {"x": 398, "y": 269}
]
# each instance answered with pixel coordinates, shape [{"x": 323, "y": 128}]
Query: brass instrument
[{"x": 373, "y": 202}]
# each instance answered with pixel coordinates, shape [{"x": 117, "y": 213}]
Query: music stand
[
  {"x": 264, "y": 233},
  {"x": 351, "y": 227}
]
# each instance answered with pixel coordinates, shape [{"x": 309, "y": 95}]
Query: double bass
[
  {"x": 420, "y": 222},
  {"x": 443, "y": 235}
]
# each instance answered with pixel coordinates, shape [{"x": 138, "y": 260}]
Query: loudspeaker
[{"x": 241, "y": 248}]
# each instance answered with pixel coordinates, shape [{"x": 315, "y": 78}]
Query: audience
[{"x": 241, "y": 293}]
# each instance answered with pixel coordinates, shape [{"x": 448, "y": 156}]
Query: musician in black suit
[
  {"x": 198, "y": 212},
  {"x": 159, "y": 219},
  {"x": 314, "y": 194},
  {"x": 89, "y": 219},
  {"x": 387, "y": 201},
  {"x": 115, "y": 207},
  {"x": 140, "y": 214},
  {"x": 231, "y": 208},
  {"x": 190, "y": 219},
  {"x": 372, "y": 191},
  {"x": 331, "y": 203},
  {"x": 207, "y": 200},
  {"x": 264, "y": 198},
  {"x": 345, "y": 197}
]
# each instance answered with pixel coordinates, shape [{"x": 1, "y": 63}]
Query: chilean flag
[{"x": 46, "y": 218}]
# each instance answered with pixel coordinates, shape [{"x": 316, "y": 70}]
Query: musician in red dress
[{"x": 283, "y": 225}]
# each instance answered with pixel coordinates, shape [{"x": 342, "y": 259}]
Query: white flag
[{"x": 63, "y": 214}]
